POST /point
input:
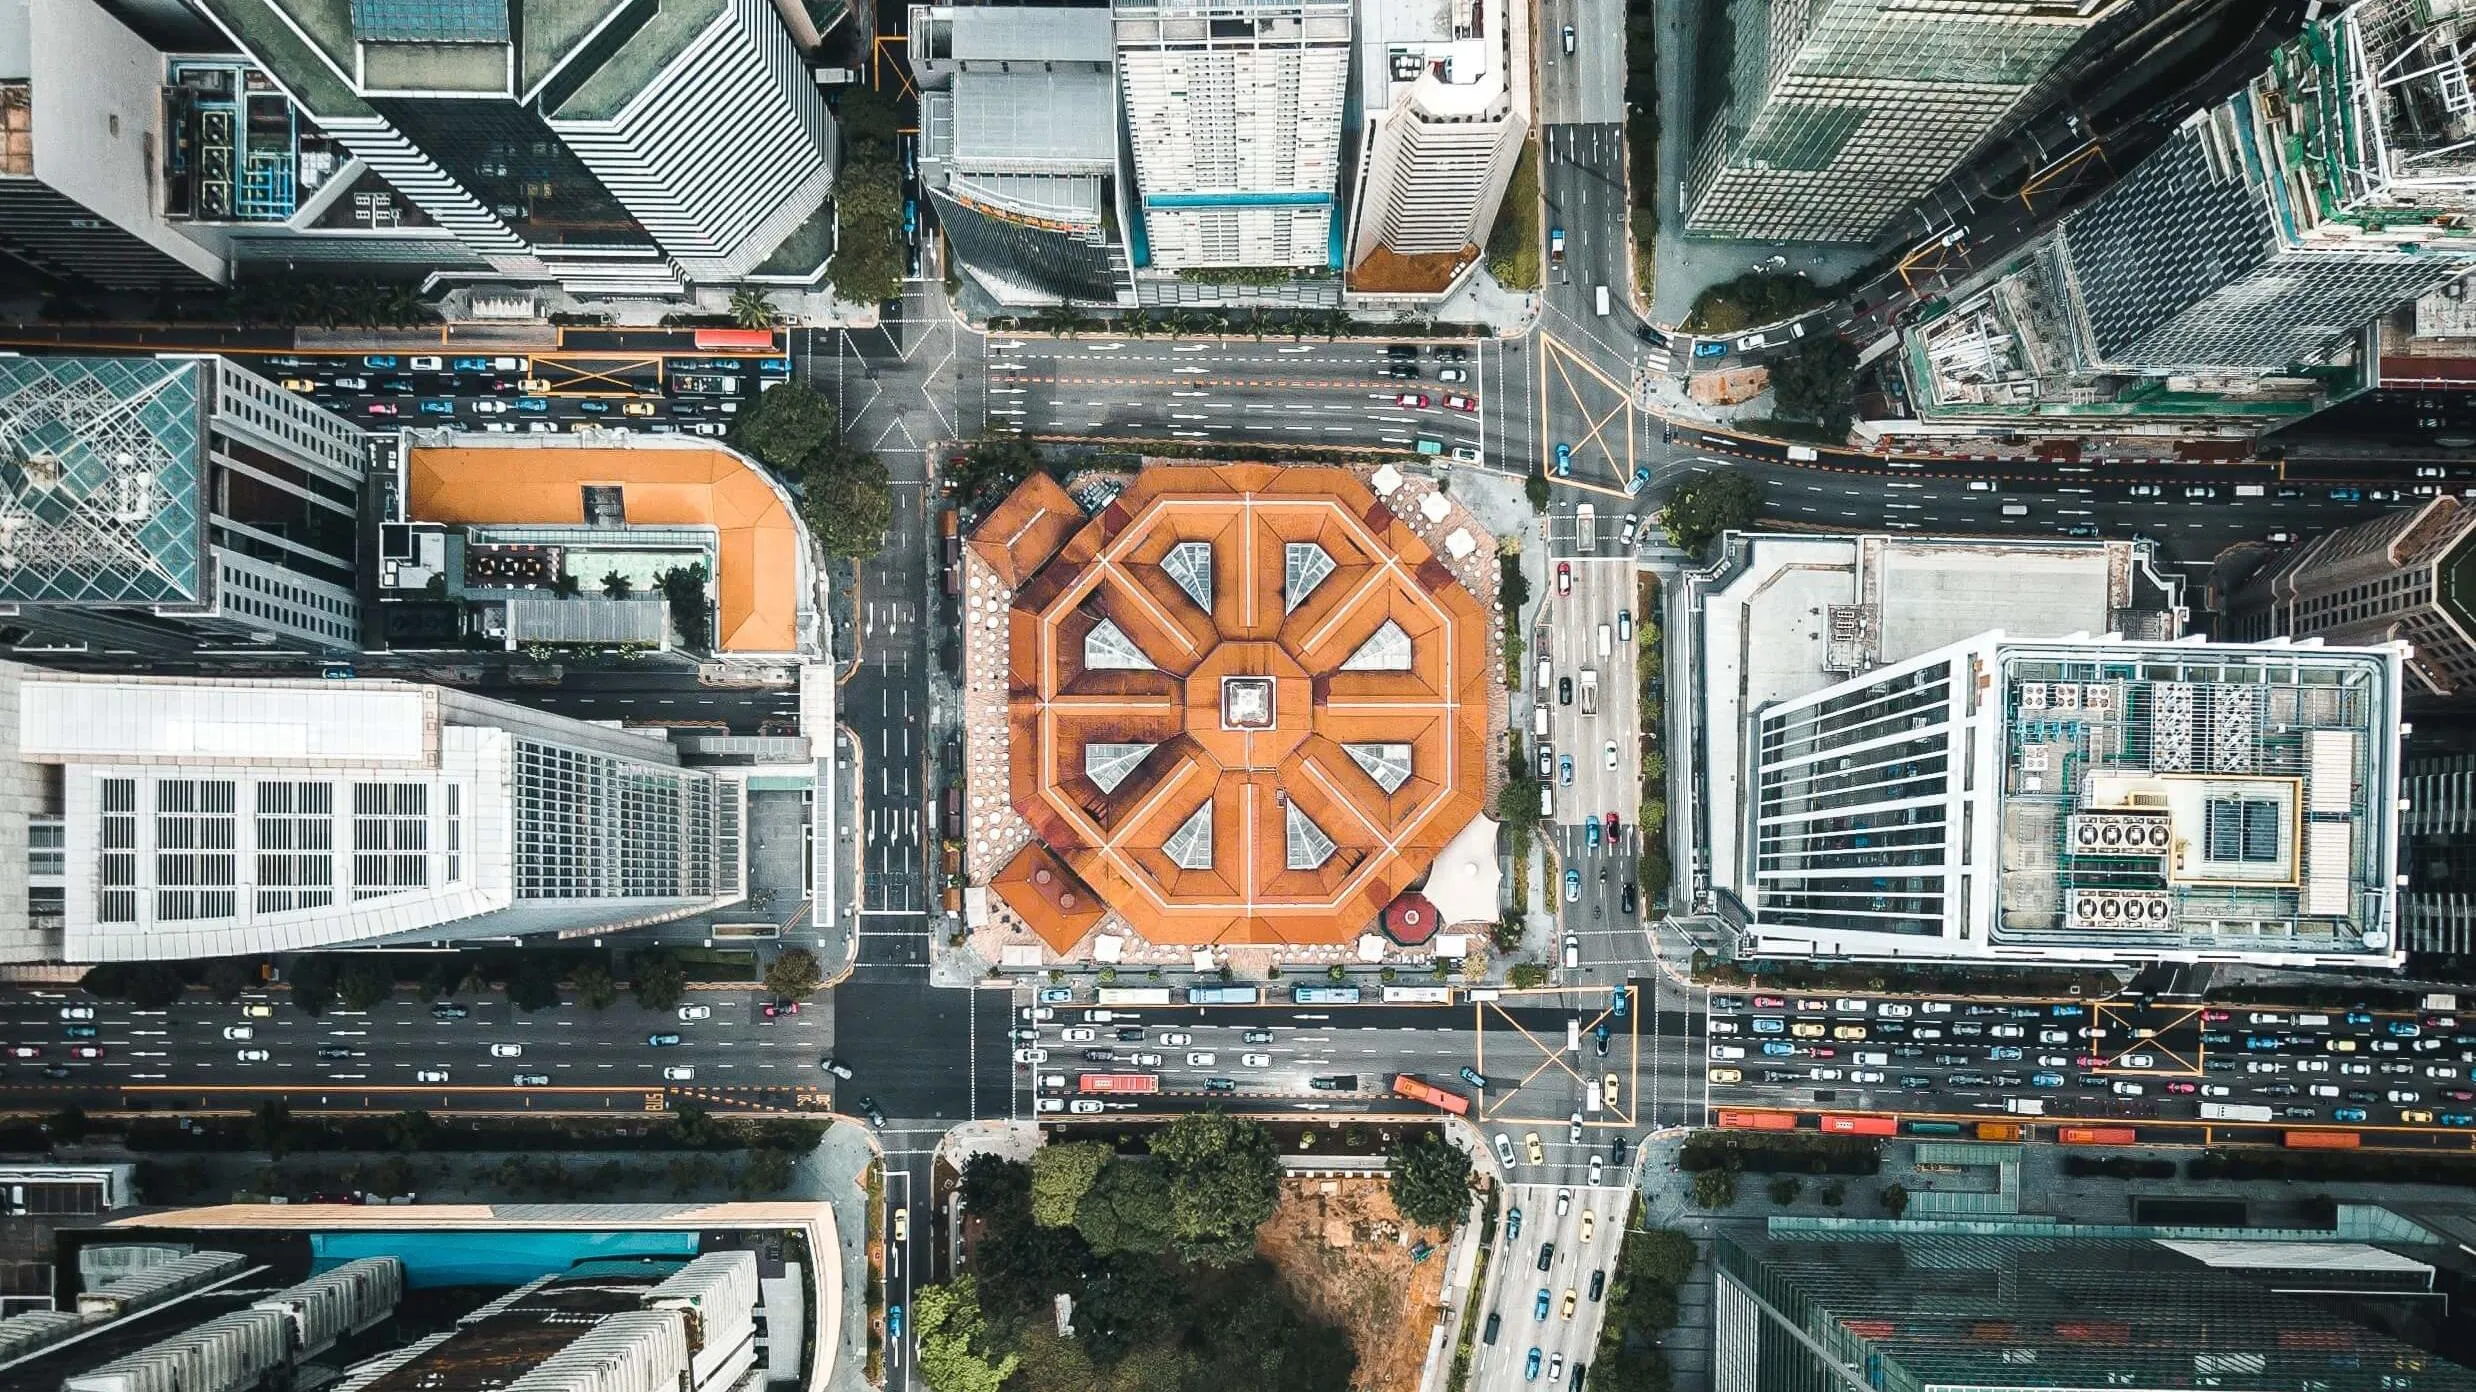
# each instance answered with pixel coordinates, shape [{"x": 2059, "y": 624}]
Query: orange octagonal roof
[{"x": 1246, "y": 703}]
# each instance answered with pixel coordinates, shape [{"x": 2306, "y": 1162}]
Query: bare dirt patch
[{"x": 1345, "y": 1252}]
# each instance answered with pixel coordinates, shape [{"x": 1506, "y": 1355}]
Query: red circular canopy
[{"x": 1410, "y": 920}]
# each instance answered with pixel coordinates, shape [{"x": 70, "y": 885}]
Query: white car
[
  {"x": 1144, "y": 1060},
  {"x": 2312, "y": 1065},
  {"x": 1596, "y": 1166},
  {"x": 1865, "y": 1075},
  {"x": 1177, "y": 1039},
  {"x": 2139, "y": 1061},
  {"x": 696, "y": 1012},
  {"x": 488, "y": 406},
  {"x": 2005, "y": 1031},
  {"x": 1504, "y": 1149},
  {"x": 1934, "y": 1007},
  {"x": 1201, "y": 1059},
  {"x": 239, "y": 1032},
  {"x": 1084, "y": 1106},
  {"x": 1564, "y": 1202},
  {"x": 2124, "y": 1089},
  {"x": 250, "y": 1055},
  {"x": 1080, "y": 1035},
  {"x": 2403, "y": 1095},
  {"x": 2264, "y": 1066},
  {"x": 507, "y": 1051},
  {"x": 1895, "y": 1010},
  {"x": 2322, "y": 1090},
  {"x": 1611, "y": 754},
  {"x": 430, "y": 1075},
  {"x": 2216, "y": 1090},
  {"x": 1255, "y": 1060},
  {"x": 77, "y": 1012},
  {"x": 1848, "y": 1005},
  {"x": 679, "y": 1073},
  {"x": 1037, "y": 1012},
  {"x": 1028, "y": 1055},
  {"x": 1824, "y": 1075},
  {"x": 1050, "y": 1104}
]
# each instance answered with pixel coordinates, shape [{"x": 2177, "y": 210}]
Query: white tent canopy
[{"x": 1467, "y": 882}]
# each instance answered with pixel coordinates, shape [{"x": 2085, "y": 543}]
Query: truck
[
  {"x": 2231, "y": 1111},
  {"x": 1556, "y": 247},
  {"x": 1601, "y": 296},
  {"x": 2025, "y": 1106},
  {"x": 1998, "y": 1131},
  {"x": 1802, "y": 454},
  {"x": 1590, "y": 691}
]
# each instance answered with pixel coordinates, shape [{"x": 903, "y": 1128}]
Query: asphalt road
[
  {"x": 1542, "y": 1253},
  {"x": 203, "y": 1056},
  {"x": 696, "y": 393}
]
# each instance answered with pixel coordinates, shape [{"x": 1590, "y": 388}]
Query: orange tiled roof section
[
  {"x": 1026, "y": 529},
  {"x": 1337, "y": 656},
  {"x": 758, "y": 582},
  {"x": 1058, "y": 907}
]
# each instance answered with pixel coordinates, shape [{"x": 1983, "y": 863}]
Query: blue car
[
  {"x": 2346, "y": 495},
  {"x": 911, "y": 219},
  {"x": 1564, "y": 770},
  {"x": 1619, "y": 1002},
  {"x": 1513, "y": 1222},
  {"x": 2065, "y": 1012},
  {"x": 2046, "y": 1080},
  {"x": 661, "y": 1041},
  {"x": 594, "y": 408},
  {"x": 1530, "y": 1365},
  {"x": 1539, "y": 1308},
  {"x": 1711, "y": 348},
  {"x": 1769, "y": 1024},
  {"x": 2003, "y": 1051},
  {"x": 438, "y": 408},
  {"x": 2405, "y": 1029},
  {"x": 81, "y": 1031},
  {"x": 1052, "y": 995},
  {"x": 1779, "y": 1048},
  {"x": 535, "y": 404},
  {"x": 1641, "y": 478},
  {"x": 894, "y": 1321},
  {"x": 470, "y": 365},
  {"x": 1590, "y": 836},
  {"x": 2457, "y": 1119},
  {"x": 1564, "y": 460},
  {"x": 1478, "y": 1080},
  {"x": 2358, "y": 1017},
  {"x": 1573, "y": 886},
  {"x": 379, "y": 360},
  {"x": 2348, "y": 1114},
  {"x": 2260, "y": 1041}
]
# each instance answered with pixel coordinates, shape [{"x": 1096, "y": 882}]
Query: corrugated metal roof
[
  {"x": 985, "y": 33},
  {"x": 1035, "y": 122}
]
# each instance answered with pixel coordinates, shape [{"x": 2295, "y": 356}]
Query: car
[
  {"x": 2183, "y": 1088},
  {"x": 1865, "y": 1075},
  {"x": 1564, "y": 460},
  {"x": 1141, "y": 1060},
  {"x": 249, "y": 1055},
  {"x": 894, "y": 1321},
  {"x": 636, "y": 408},
  {"x": 1504, "y": 1150},
  {"x": 1530, "y": 1365},
  {"x": 86, "y": 1051},
  {"x": 2264, "y": 1066},
  {"x": 335, "y": 1051},
  {"x": 381, "y": 408},
  {"x": 1056, "y": 995},
  {"x": 1749, "y": 343},
  {"x": 1201, "y": 1059},
  {"x": 1539, "y": 1306},
  {"x": 2122, "y": 1088},
  {"x": 2457, "y": 1119},
  {"x": 1455, "y": 400},
  {"x": 1453, "y": 374},
  {"x": 1255, "y": 1060},
  {"x": 2350, "y": 1114},
  {"x": 836, "y": 1067},
  {"x": 1610, "y": 754},
  {"x": 1257, "y": 1036},
  {"x": 1573, "y": 878},
  {"x": 2357, "y": 1017},
  {"x": 1033, "y": 1054},
  {"x": 1564, "y": 691},
  {"x": 1590, "y": 834},
  {"x": 593, "y": 407},
  {"x": 868, "y": 1108},
  {"x": 1807, "y": 1029},
  {"x": 532, "y": 405},
  {"x": 1531, "y": 1147},
  {"x": 1626, "y": 899},
  {"x": 1416, "y": 401},
  {"x": 1177, "y": 1039},
  {"x": 1616, "y": 1151},
  {"x": 2403, "y": 1095},
  {"x": 1824, "y": 1075},
  {"x": 1571, "y": 1299},
  {"x": 902, "y": 1226},
  {"x": 2143, "y": 490},
  {"x": 1084, "y": 1106},
  {"x": 1473, "y": 1077},
  {"x": 2355, "y": 1068},
  {"x": 507, "y": 1051},
  {"x": 430, "y": 1075},
  {"x": 2404, "y": 1029},
  {"x": 1079, "y": 1034},
  {"x": 2004, "y": 1052},
  {"x": 661, "y": 1041},
  {"x": 2416, "y": 1117},
  {"x": 679, "y": 1073},
  {"x": 1564, "y": 1205},
  {"x": 1564, "y": 577},
  {"x": 2139, "y": 1060}
]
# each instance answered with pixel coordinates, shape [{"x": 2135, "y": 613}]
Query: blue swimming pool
[{"x": 492, "y": 1258}]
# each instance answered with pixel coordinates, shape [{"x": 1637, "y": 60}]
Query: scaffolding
[{"x": 2401, "y": 110}]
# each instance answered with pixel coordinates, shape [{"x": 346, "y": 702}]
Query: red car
[
  {"x": 774, "y": 1008},
  {"x": 89, "y": 1051},
  {"x": 2181, "y": 1087},
  {"x": 1824, "y": 1051},
  {"x": 380, "y": 408},
  {"x": 2213, "y": 1016},
  {"x": 1460, "y": 402},
  {"x": 1768, "y": 1002},
  {"x": 1415, "y": 400},
  {"x": 1564, "y": 577},
  {"x": 1612, "y": 826}
]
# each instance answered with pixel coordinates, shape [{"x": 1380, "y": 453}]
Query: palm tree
[
  {"x": 616, "y": 586},
  {"x": 1135, "y": 323},
  {"x": 750, "y": 309}
]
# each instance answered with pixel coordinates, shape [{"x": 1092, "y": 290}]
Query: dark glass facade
[{"x": 507, "y": 156}]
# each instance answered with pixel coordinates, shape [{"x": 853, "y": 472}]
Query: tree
[
  {"x": 782, "y": 427},
  {"x": 793, "y": 974},
  {"x": 273, "y": 1125},
  {"x": 993, "y": 466},
  {"x": 1535, "y": 488},
  {"x": 1699, "y": 511},
  {"x": 595, "y": 990},
  {"x": 750, "y": 309},
  {"x": 1127, "y": 1209},
  {"x": 1528, "y": 974},
  {"x": 532, "y": 985},
  {"x": 999, "y": 1190},
  {"x": 1784, "y": 1190},
  {"x": 411, "y": 1130},
  {"x": 847, "y": 499},
  {"x": 768, "y": 1171},
  {"x": 949, "y": 1327},
  {"x": 684, "y": 589},
  {"x": 1517, "y": 803},
  {"x": 1225, "y": 1177},
  {"x": 1431, "y": 1181},
  {"x": 1061, "y": 1175},
  {"x": 1835, "y": 1192},
  {"x": 66, "y": 1126},
  {"x": 566, "y": 586},
  {"x": 868, "y": 116},
  {"x": 227, "y": 977},
  {"x": 656, "y": 976},
  {"x": 1818, "y": 383},
  {"x": 1894, "y": 1199},
  {"x": 1512, "y": 586},
  {"x": 1715, "y": 1188},
  {"x": 363, "y": 985},
  {"x": 694, "y": 1127},
  {"x": 616, "y": 586},
  {"x": 313, "y": 984}
]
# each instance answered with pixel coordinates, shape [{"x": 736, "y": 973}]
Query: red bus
[
  {"x": 2323, "y": 1140},
  {"x": 1760, "y": 1121},
  {"x": 2096, "y": 1135},
  {"x": 1118, "y": 1082},
  {"x": 1432, "y": 1095},
  {"x": 714, "y": 340},
  {"x": 1862, "y": 1125}
]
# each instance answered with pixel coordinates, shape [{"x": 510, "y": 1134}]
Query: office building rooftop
[{"x": 100, "y": 463}]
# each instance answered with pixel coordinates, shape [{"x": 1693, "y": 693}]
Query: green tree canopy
[
  {"x": 1127, "y": 1209},
  {"x": 313, "y": 984},
  {"x": 992, "y": 467},
  {"x": 227, "y": 977},
  {"x": 1061, "y": 1174},
  {"x": 1818, "y": 383},
  {"x": 782, "y": 427},
  {"x": 793, "y": 974},
  {"x": 847, "y": 499},
  {"x": 1431, "y": 1181},
  {"x": 750, "y": 309},
  {"x": 66, "y": 1126},
  {"x": 1225, "y": 1177},
  {"x": 658, "y": 979},
  {"x": 595, "y": 990},
  {"x": 951, "y": 1333},
  {"x": 411, "y": 1130},
  {"x": 1715, "y": 1188},
  {"x": 768, "y": 1171},
  {"x": 364, "y": 984},
  {"x": 1699, "y": 511}
]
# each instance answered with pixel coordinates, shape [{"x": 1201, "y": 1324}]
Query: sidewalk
[{"x": 836, "y": 1173}]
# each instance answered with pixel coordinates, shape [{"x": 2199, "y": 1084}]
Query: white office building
[
  {"x": 166, "y": 818},
  {"x": 1444, "y": 97},
  {"x": 1233, "y": 111}
]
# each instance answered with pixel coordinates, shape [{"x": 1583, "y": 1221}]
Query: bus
[
  {"x": 1117, "y": 1082},
  {"x": 1222, "y": 995},
  {"x": 2226, "y": 1111},
  {"x": 2096, "y": 1135},
  {"x": 1324, "y": 995},
  {"x": 1433, "y": 1096},
  {"x": 1418, "y": 995},
  {"x": 1759, "y": 1121},
  {"x": 1603, "y": 301},
  {"x": 1933, "y": 1128},
  {"x": 1131, "y": 995},
  {"x": 714, "y": 340},
  {"x": 2323, "y": 1140},
  {"x": 1861, "y": 1125}
]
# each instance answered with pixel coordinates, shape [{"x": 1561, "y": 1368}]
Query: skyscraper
[
  {"x": 1444, "y": 100},
  {"x": 627, "y": 149},
  {"x": 169, "y": 508},
  {"x": 1843, "y": 113},
  {"x": 1234, "y": 112},
  {"x": 2402, "y": 575},
  {"x": 2440, "y": 828},
  {"x": 2331, "y": 189},
  {"x": 163, "y": 818}
]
